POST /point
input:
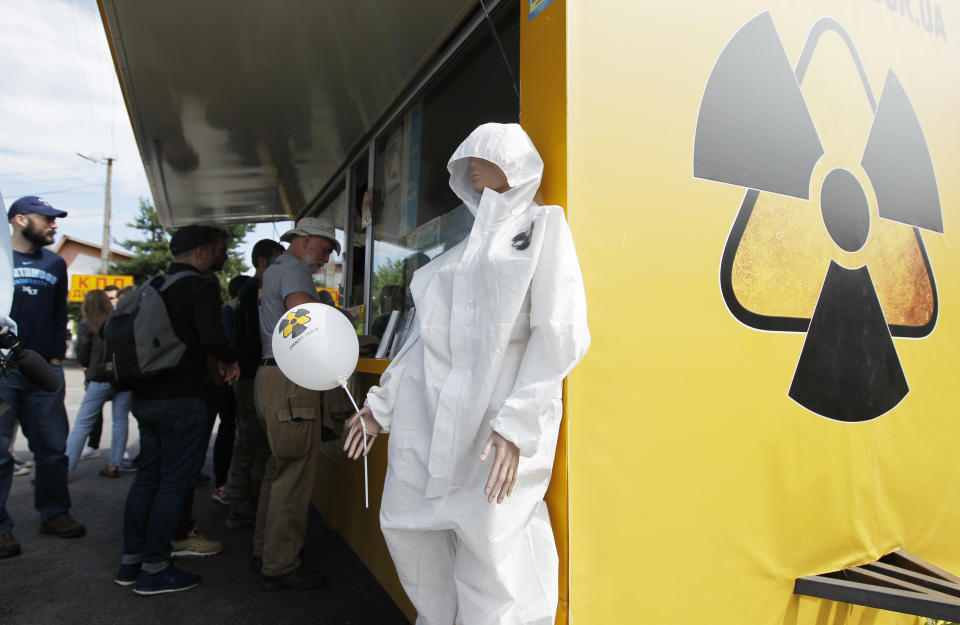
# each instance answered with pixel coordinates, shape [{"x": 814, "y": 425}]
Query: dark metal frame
[
  {"x": 365, "y": 148},
  {"x": 899, "y": 582},
  {"x": 448, "y": 51}
]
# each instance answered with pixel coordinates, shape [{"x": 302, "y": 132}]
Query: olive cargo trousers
[{"x": 291, "y": 418}]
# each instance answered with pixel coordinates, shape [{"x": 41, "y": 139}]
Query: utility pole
[{"x": 105, "y": 250}]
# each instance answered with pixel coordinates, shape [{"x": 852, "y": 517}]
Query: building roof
[{"x": 67, "y": 244}]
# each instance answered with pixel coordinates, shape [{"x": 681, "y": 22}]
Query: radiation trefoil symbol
[
  {"x": 856, "y": 244},
  {"x": 294, "y": 323}
]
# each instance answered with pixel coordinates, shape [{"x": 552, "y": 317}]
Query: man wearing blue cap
[{"x": 40, "y": 310}]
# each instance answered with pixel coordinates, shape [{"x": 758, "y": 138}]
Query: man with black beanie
[{"x": 171, "y": 414}]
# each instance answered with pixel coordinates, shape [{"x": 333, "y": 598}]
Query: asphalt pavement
[{"x": 70, "y": 581}]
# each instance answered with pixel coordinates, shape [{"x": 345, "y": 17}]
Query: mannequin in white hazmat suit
[{"x": 501, "y": 320}]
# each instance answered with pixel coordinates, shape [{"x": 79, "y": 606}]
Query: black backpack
[{"x": 138, "y": 339}]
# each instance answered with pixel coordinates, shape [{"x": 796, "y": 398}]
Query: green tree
[
  {"x": 74, "y": 314},
  {"x": 151, "y": 253},
  {"x": 389, "y": 273}
]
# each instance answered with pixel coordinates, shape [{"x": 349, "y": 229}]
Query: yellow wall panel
[
  {"x": 338, "y": 497},
  {"x": 698, "y": 489},
  {"x": 543, "y": 115}
]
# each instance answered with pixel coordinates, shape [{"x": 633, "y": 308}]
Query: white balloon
[{"x": 315, "y": 346}]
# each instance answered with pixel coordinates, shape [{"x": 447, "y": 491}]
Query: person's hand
[
  {"x": 503, "y": 473},
  {"x": 230, "y": 373},
  {"x": 354, "y": 443}
]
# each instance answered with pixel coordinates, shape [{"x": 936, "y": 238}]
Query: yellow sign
[
  {"x": 81, "y": 283},
  {"x": 334, "y": 293}
]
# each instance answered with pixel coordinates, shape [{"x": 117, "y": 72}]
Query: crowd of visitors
[
  {"x": 262, "y": 468},
  {"x": 481, "y": 370}
]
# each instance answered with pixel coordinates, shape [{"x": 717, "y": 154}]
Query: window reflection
[
  {"x": 329, "y": 279},
  {"x": 415, "y": 215}
]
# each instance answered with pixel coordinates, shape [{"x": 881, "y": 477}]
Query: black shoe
[
  {"x": 128, "y": 574},
  {"x": 9, "y": 546},
  {"x": 241, "y": 520},
  {"x": 297, "y": 579},
  {"x": 63, "y": 526},
  {"x": 170, "y": 579},
  {"x": 256, "y": 562}
]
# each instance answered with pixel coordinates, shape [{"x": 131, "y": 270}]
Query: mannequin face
[{"x": 486, "y": 175}]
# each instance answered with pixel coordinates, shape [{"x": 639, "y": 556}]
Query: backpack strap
[
  {"x": 130, "y": 304},
  {"x": 169, "y": 279}
]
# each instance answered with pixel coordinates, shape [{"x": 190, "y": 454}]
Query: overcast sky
[{"x": 59, "y": 95}]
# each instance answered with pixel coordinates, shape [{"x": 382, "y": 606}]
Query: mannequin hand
[
  {"x": 503, "y": 473},
  {"x": 354, "y": 443}
]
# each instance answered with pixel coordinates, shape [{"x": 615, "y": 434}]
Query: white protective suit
[
  {"x": 501, "y": 320},
  {"x": 6, "y": 271}
]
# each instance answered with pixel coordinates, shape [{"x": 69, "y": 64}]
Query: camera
[{"x": 31, "y": 364}]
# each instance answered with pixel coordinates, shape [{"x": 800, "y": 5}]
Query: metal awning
[
  {"x": 243, "y": 109},
  {"x": 899, "y": 582}
]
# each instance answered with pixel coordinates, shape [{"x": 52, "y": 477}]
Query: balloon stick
[{"x": 366, "y": 486}]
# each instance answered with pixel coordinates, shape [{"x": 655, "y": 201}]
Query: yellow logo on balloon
[{"x": 294, "y": 323}]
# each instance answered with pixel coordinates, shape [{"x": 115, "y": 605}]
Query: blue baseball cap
[{"x": 33, "y": 204}]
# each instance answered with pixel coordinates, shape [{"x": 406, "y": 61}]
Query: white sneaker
[
  {"x": 195, "y": 545},
  {"x": 89, "y": 452}
]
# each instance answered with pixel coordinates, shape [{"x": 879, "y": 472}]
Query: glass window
[
  {"x": 416, "y": 216},
  {"x": 329, "y": 279},
  {"x": 360, "y": 209}
]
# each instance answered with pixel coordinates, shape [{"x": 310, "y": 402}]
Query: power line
[
  {"x": 72, "y": 216},
  {"x": 46, "y": 180},
  {"x": 110, "y": 76},
  {"x": 85, "y": 178},
  {"x": 43, "y": 171},
  {"x": 55, "y": 191},
  {"x": 104, "y": 67},
  {"x": 113, "y": 117},
  {"x": 83, "y": 70}
]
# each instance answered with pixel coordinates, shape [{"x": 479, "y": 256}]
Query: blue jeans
[
  {"x": 171, "y": 432},
  {"x": 99, "y": 393},
  {"x": 43, "y": 420}
]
